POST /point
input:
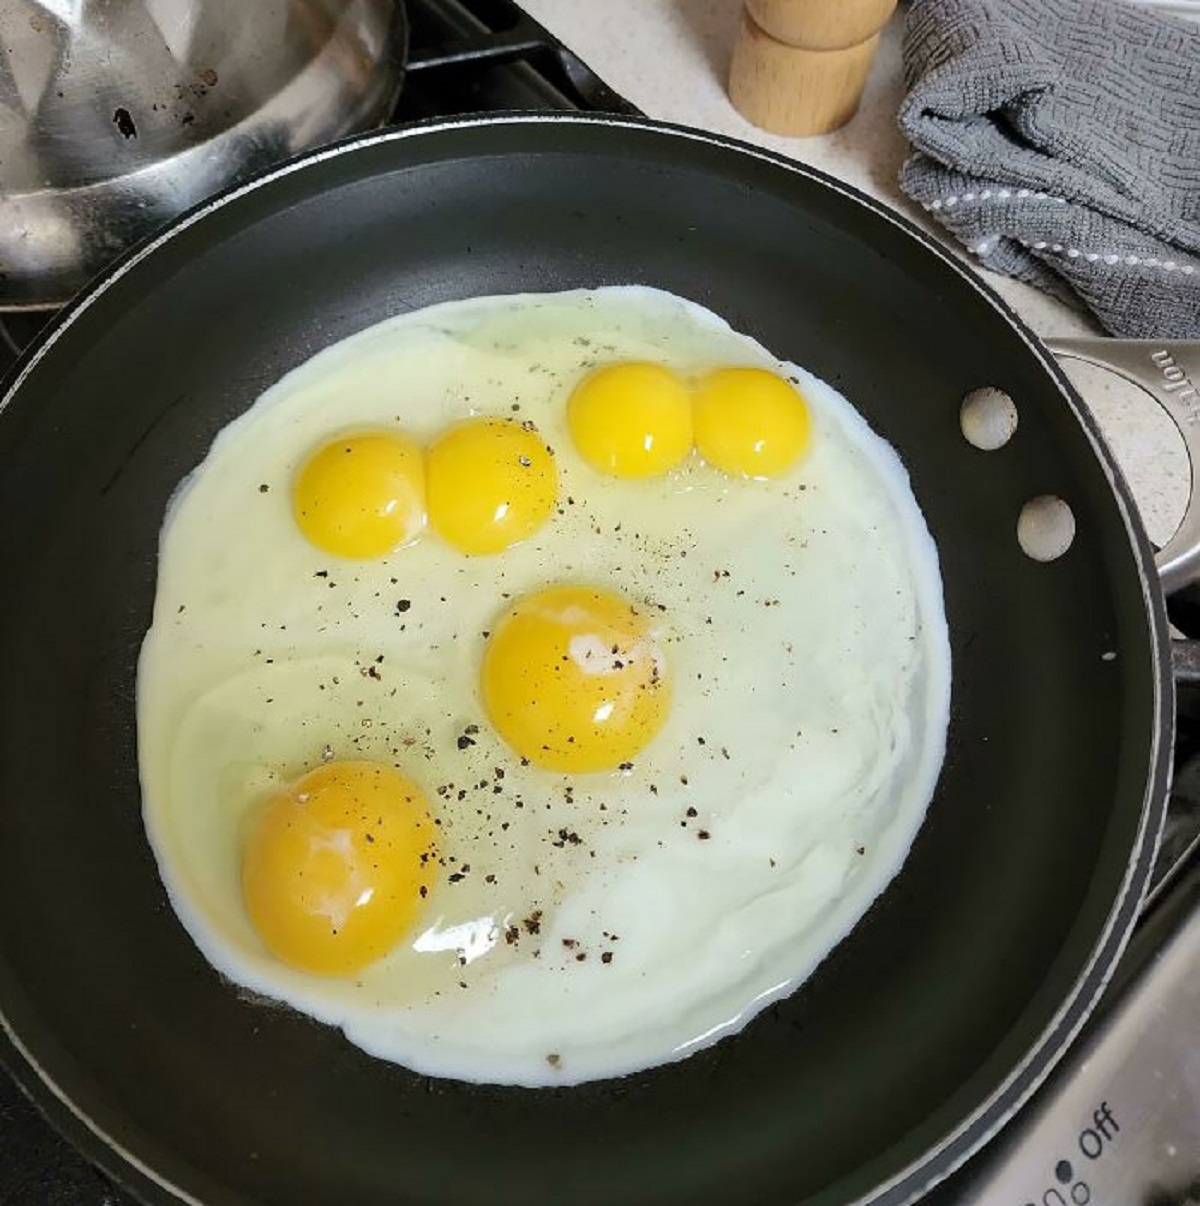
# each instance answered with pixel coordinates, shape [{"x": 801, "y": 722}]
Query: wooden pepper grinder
[{"x": 799, "y": 66}]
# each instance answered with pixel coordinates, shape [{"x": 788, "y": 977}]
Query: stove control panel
[{"x": 1118, "y": 1124}]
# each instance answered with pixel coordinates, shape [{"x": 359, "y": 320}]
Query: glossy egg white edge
[{"x": 710, "y": 932}]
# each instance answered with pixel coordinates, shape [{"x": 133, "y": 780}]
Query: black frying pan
[{"x": 918, "y": 1036}]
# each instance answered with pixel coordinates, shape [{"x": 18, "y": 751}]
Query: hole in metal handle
[
  {"x": 988, "y": 418},
  {"x": 1045, "y": 528},
  {"x": 1169, "y": 372}
]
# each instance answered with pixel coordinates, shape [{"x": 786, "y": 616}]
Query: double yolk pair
[
  {"x": 638, "y": 419},
  {"x": 482, "y": 485}
]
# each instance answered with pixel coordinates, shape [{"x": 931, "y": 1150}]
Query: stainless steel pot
[{"x": 115, "y": 115}]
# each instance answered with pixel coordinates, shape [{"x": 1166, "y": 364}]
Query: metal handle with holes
[{"x": 1169, "y": 371}]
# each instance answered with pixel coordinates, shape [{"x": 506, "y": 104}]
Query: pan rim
[{"x": 980, "y": 1126}]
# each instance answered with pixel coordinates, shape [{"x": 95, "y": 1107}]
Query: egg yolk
[
  {"x": 631, "y": 420},
  {"x": 361, "y": 495},
  {"x": 750, "y": 422},
  {"x": 491, "y": 484},
  {"x": 337, "y": 866},
  {"x": 574, "y": 679}
]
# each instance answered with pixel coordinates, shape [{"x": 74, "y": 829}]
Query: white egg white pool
[{"x": 603, "y": 923}]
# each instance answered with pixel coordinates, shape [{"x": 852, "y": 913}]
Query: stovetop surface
[{"x": 466, "y": 56}]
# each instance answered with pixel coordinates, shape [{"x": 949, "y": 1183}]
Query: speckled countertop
[{"x": 669, "y": 58}]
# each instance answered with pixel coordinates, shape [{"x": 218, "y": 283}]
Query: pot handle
[{"x": 1169, "y": 371}]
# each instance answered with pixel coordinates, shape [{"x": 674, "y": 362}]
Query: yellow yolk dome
[
  {"x": 337, "y": 866},
  {"x": 750, "y": 422},
  {"x": 574, "y": 679},
  {"x": 491, "y": 484},
  {"x": 632, "y": 419},
  {"x": 361, "y": 496}
]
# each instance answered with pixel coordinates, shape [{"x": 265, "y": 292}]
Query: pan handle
[{"x": 1169, "y": 371}]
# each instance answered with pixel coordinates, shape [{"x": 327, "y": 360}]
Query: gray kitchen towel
[{"x": 1060, "y": 141}]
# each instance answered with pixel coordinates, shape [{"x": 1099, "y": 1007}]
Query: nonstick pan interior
[{"x": 921, "y": 1031}]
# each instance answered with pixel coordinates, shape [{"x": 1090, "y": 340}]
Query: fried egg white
[{"x": 575, "y": 926}]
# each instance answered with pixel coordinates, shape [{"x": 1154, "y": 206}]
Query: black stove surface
[{"x": 466, "y": 56}]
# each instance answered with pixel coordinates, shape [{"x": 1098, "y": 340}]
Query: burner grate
[{"x": 471, "y": 56}]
